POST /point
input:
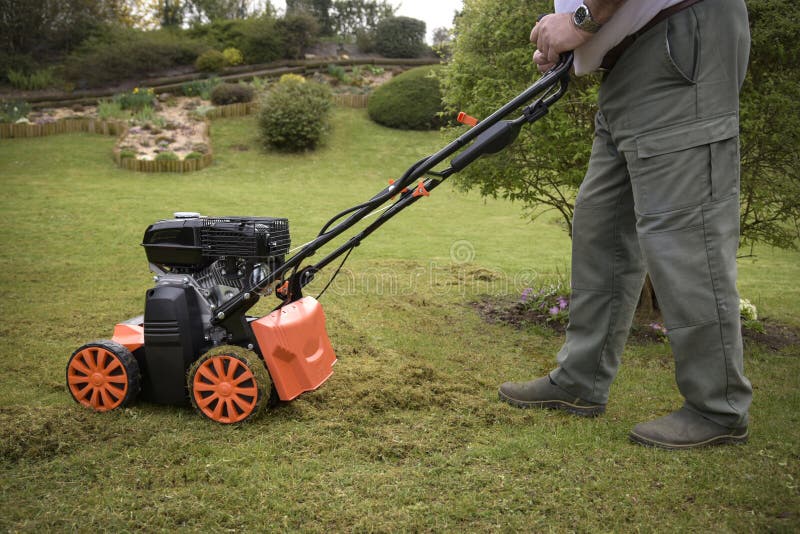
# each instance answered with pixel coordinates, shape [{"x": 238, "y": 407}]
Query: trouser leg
[
  {"x": 691, "y": 257},
  {"x": 607, "y": 274},
  {"x": 671, "y": 104}
]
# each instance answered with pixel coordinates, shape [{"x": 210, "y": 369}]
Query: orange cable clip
[
  {"x": 420, "y": 191},
  {"x": 283, "y": 290},
  {"x": 404, "y": 190},
  {"x": 463, "y": 118}
]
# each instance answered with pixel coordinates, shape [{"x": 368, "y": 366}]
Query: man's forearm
[{"x": 603, "y": 10}]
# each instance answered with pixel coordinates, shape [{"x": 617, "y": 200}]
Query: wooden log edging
[
  {"x": 62, "y": 126},
  {"x": 232, "y": 110},
  {"x": 351, "y": 101},
  {"x": 180, "y": 166}
]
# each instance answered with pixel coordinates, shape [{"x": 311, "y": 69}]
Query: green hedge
[{"x": 410, "y": 101}]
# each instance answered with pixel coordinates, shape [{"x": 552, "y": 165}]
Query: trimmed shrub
[
  {"x": 233, "y": 56},
  {"x": 210, "y": 61},
  {"x": 125, "y": 53},
  {"x": 400, "y": 37},
  {"x": 231, "y": 93},
  {"x": 294, "y": 116},
  {"x": 410, "y": 101}
]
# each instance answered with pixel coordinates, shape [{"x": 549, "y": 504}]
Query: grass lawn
[{"x": 408, "y": 434}]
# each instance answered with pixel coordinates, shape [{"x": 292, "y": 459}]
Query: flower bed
[{"x": 166, "y": 133}]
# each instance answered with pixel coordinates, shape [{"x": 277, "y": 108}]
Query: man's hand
[{"x": 553, "y": 35}]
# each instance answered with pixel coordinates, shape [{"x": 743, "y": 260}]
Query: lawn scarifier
[{"x": 195, "y": 335}]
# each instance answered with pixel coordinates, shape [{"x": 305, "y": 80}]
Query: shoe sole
[
  {"x": 725, "y": 439},
  {"x": 583, "y": 411}
]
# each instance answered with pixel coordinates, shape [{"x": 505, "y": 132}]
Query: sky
[{"x": 435, "y": 13}]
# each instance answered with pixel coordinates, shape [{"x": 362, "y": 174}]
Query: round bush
[
  {"x": 294, "y": 115},
  {"x": 233, "y": 56},
  {"x": 210, "y": 61},
  {"x": 400, "y": 37},
  {"x": 231, "y": 93},
  {"x": 410, "y": 101}
]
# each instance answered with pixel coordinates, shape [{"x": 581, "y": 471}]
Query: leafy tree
[
  {"x": 492, "y": 63},
  {"x": 171, "y": 13},
  {"x": 400, "y": 37},
  {"x": 770, "y": 126},
  {"x": 209, "y": 10},
  {"x": 441, "y": 36},
  {"x": 299, "y": 32},
  {"x": 44, "y": 28},
  {"x": 443, "y": 43},
  {"x": 319, "y": 9},
  {"x": 351, "y": 17}
]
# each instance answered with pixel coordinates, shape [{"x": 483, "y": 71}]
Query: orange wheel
[
  {"x": 229, "y": 385},
  {"x": 103, "y": 375}
]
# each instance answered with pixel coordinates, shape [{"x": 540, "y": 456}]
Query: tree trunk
[{"x": 648, "y": 303}]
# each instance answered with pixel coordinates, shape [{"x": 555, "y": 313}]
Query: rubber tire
[
  {"x": 266, "y": 395},
  {"x": 129, "y": 371}
]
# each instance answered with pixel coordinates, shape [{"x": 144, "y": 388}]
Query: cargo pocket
[{"x": 684, "y": 165}]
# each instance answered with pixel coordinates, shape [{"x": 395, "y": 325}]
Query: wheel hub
[
  {"x": 98, "y": 379},
  {"x": 225, "y": 389}
]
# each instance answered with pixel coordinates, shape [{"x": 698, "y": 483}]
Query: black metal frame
[{"x": 488, "y": 136}]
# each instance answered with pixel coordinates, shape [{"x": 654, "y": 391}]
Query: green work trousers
[{"x": 661, "y": 196}]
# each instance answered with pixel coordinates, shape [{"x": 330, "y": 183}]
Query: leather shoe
[
  {"x": 685, "y": 429},
  {"x": 544, "y": 393}
]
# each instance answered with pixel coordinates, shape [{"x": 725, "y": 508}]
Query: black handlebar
[{"x": 488, "y": 136}]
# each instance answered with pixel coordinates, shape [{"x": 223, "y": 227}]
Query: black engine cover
[
  {"x": 173, "y": 338},
  {"x": 196, "y": 242}
]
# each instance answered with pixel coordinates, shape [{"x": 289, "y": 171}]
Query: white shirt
[{"x": 628, "y": 19}]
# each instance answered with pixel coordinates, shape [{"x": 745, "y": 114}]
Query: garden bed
[
  {"x": 520, "y": 314},
  {"x": 170, "y": 133}
]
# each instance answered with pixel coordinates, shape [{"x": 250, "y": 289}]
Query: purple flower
[
  {"x": 658, "y": 328},
  {"x": 525, "y": 294},
  {"x": 562, "y": 303},
  {"x": 554, "y": 310}
]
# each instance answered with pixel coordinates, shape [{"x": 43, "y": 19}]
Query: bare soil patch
[{"x": 771, "y": 334}]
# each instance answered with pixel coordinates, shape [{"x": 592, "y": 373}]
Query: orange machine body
[
  {"x": 293, "y": 341},
  {"x": 129, "y": 335},
  {"x": 295, "y": 346}
]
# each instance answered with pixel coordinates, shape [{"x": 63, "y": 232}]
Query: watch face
[{"x": 580, "y": 15}]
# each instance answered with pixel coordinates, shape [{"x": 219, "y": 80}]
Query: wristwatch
[{"x": 582, "y": 19}]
